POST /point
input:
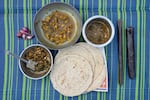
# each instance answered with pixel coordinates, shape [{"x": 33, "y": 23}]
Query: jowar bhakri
[{"x": 78, "y": 69}]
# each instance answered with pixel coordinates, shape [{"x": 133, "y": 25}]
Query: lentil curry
[{"x": 58, "y": 27}]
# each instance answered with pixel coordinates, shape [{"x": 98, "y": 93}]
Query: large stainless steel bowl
[{"x": 48, "y": 9}]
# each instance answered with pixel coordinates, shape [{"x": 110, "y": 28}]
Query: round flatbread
[
  {"x": 96, "y": 83},
  {"x": 77, "y": 50},
  {"x": 99, "y": 70},
  {"x": 71, "y": 75}
]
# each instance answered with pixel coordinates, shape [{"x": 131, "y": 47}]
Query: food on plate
[
  {"x": 41, "y": 56},
  {"x": 72, "y": 75},
  {"x": 75, "y": 51},
  {"x": 99, "y": 68},
  {"x": 98, "y": 31},
  {"x": 78, "y": 69},
  {"x": 58, "y": 27}
]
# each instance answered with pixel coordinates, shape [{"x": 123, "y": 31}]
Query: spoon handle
[{"x": 16, "y": 56}]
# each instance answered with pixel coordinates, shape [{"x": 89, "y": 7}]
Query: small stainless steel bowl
[
  {"x": 26, "y": 71},
  {"x": 101, "y": 19},
  {"x": 46, "y": 10}
]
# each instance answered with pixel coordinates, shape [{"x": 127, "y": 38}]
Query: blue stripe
[{"x": 112, "y": 51}]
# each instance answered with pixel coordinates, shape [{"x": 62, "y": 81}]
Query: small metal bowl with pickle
[
  {"x": 98, "y": 31},
  {"x": 57, "y": 25},
  {"x": 39, "y": 54}
]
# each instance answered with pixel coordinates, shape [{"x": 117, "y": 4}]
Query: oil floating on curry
[
  {"x": 98, "y": 31},
  {"x": 58, "y": 27}
]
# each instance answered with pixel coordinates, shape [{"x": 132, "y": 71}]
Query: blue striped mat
[{"x": 15, "y": 14}]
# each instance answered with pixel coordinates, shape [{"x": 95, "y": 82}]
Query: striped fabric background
[{"x": 15, "y": 14}]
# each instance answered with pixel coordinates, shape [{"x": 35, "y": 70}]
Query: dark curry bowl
[
  {"x": 48, "y": 9},
  {"x": 98, "y": 31},
  {"x": 37, "y": 74}
]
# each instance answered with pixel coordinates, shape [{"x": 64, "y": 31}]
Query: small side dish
[
  {"x": 58, "y": 27},
  {"x": 39, "y": 54},
  {"x": 98, "y": 31}
]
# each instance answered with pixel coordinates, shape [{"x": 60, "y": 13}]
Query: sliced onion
[
  {"x": 24, "y": 32},
  {"x": 19, "y": 34},
  {"x": 24, "y": 36},
  {"x": 26, "y": 29},
  {"x": 29, "y": 37}
]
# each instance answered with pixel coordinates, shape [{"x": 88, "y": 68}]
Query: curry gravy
[
  {"x": 98, "y": 31},
  {"x": 58, "y": 27}
]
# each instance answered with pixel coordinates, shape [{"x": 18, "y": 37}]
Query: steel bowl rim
[
  {"x": 51, "y": 57},
  {"x": 76, "y": 11}
]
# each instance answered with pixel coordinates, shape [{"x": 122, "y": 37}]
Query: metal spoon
[{"x": 30, "y": 64}]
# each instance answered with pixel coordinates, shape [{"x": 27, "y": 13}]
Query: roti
[
  {"x": 99, "y": 80},
  {"x": 99, "y": 70},
  {"x": 71, "y": 75},
  {"x": 77, "y": 50},
  {"x": 78, "y": 69}
]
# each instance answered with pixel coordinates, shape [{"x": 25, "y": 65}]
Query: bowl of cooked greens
[
  {"x": 39, "y": 54},
  {"x": 57, "y": 25}
]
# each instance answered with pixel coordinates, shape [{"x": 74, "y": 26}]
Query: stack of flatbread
[{"x": 78, "y": 69}]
